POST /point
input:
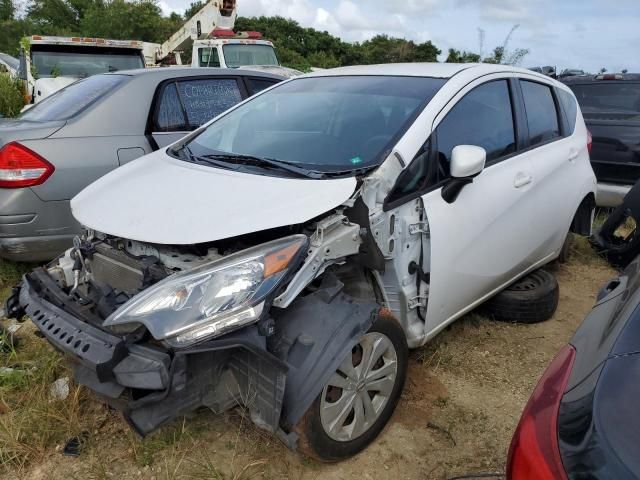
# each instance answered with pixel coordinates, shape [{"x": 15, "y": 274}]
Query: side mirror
[{"x": 467, "y": 161}]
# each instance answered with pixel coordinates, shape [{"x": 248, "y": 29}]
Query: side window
[
  {"x": 208, "y": 57},
  {"x": 484, "y": 118},
  {"x": 170, "y": 114},
  {"x": 542, "y": 115},
  {"x": 207, "y": 98},
  {"x": 258, "y": 84},
  {"x": 187, "y": 104},
  {"x": 570, "y": 108}
]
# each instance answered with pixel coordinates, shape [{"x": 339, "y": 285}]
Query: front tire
[{"x": 360, "y": 397}]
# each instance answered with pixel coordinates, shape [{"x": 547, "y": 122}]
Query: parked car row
[
  {"x": 62, "y": 144},
  {"x": 286, "y": 254},
  {"x": 610, "y": 104}
]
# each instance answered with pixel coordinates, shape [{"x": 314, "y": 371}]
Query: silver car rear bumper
[
  {"x": 611, "y": 195},
  {"x": 34, "y": 249},
  {"x": 32, "y": 230}
]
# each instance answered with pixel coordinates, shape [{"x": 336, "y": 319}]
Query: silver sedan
[{"x": 61, "y": 145}]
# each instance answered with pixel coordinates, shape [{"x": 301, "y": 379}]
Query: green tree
[
  {"x": 123, "y": 20},
  {"x": 384, "y": 49},
  {"x": 53, "y": 17},
  {"x": 194, "y": 8},
  {"x": 455, "y": 56},
  {"x": 7, "y": 10},
  {"x": 11, "y": 101}
]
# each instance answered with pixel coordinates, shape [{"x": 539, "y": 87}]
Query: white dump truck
[{"x": 47, "y": 64}]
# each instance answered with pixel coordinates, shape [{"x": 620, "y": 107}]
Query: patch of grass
[
  {"x": 31, "y": 422},
  {"x": 582, "y": 252},
  {"x": 10, "y": 275}
]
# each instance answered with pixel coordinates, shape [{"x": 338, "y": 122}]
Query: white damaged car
[{"x": 286, "y": 256}]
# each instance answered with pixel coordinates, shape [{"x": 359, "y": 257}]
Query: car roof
[
  {"x": 162, "y": 73},
  {"x": 435, "y": 70},
  {"x": 9, "y": 60}
]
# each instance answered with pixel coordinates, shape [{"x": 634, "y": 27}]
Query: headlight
[{"x": 212, "y": 299}]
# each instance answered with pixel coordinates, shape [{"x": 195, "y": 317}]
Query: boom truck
[
  {"x": 210, "y": 36},
  {"x": 48, "y": 64}
]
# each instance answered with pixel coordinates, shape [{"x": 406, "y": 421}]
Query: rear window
[
  {"x": 615, "y": 100},
  {"x": 71, "y": 100},
  {"x": 542, "y": 115}
]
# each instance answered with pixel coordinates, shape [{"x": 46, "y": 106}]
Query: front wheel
[{"x": 360, "y": 397}]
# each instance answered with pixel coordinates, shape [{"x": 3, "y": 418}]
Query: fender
[{"x": 313, "y": 337}]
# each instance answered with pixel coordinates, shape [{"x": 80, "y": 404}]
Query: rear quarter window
[
  {"x": 73, "y": 99},
  {"x": 570, "y": 108},
  {"x": 258, "y": 84}
]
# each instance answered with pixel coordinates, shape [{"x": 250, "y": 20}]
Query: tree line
[{"x": 297, "y": 46}]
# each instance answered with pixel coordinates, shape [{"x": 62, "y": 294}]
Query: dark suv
[{"x": 610, "y": 105}]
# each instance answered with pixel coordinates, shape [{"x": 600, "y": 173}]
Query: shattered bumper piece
[{"x": 152, "y": 386}]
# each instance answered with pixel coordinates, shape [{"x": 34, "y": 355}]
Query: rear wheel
[
  {"x": 359, "y": 398},
  {"x": 532, "y": 299}
]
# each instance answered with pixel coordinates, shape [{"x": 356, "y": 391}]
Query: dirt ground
[{"x": 462, "y": 401}]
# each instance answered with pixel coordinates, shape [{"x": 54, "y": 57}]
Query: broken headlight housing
[{"x": 213, "y": 299}]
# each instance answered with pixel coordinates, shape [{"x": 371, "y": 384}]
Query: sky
[{"x": 584, "y": 34}]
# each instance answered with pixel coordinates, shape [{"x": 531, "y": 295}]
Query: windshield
[
  {"x": 328, "y": 124},
  {"x": 83, "y": 62},
  {"x": 71, "y": 100},
  {"x": 615, "y": 100},
  {"x": 241, "y": 54}
]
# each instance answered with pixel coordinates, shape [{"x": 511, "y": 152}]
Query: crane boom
[{"x": 215, "y": 15}]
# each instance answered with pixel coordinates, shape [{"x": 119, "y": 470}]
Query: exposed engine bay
[{"x": 102, "y": 272}]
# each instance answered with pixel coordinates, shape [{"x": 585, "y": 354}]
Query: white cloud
[{"x": 168, "y": 10}]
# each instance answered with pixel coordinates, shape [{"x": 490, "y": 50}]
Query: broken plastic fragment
[{"x": 59, "y": 389}]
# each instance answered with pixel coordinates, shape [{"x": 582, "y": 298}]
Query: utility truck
[
  {"x": 48, "y": 64},
  {"x": 212, "y": 42}
]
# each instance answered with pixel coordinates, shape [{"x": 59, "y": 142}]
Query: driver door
[{"x": 481, "y": 241}]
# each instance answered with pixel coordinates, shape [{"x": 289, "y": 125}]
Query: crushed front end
[{"x": 159, "y": 331}]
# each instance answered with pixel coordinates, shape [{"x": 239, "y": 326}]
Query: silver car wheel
[{"x": 358, "y": 391}]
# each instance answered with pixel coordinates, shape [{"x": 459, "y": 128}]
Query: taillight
[
  {"x": 589, "y": 141},
  {"x": 534, "y": 453},
  {"x": 21, "y": 167}
]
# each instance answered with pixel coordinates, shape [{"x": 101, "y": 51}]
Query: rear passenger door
[
  {"x": 552, "y": 151},
  {"x": 182, "y": 105}
]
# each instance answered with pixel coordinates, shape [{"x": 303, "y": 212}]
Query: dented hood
[{"x": 159, "y": 199}]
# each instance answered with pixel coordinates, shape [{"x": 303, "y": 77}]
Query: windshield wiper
[{"x": 239, "y": 159}]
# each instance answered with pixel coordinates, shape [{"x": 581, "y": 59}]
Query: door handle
[
  {"x": 573, "y": 155},
  {"x": 522, "y": 179}
]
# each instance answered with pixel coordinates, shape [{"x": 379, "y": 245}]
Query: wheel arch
[
  {"x": 313, "y": 336},
  {"x": 583, "y": 218}
]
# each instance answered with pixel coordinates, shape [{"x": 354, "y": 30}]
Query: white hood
[{"x": 158, "y": 199}]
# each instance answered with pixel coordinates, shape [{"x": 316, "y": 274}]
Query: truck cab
[
  {"x": 241, "y": 50},
  {"x": 48, "y": 64}
]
